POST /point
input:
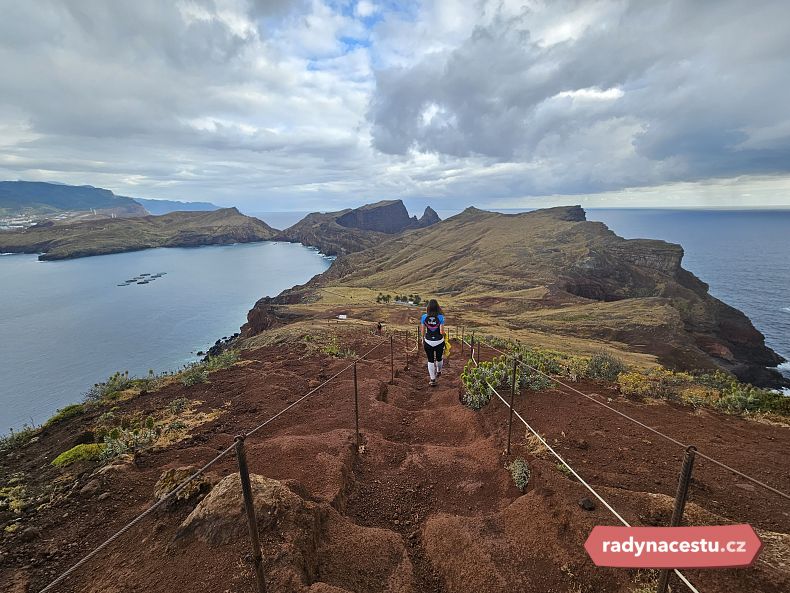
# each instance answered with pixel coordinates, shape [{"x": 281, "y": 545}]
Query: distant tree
[
  {"x": 387, "y": 298},
  {"x": 416, "y": 299},
  {"x": 379, "y": 297}
]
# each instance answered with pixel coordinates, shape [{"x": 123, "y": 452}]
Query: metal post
[
  {"x": 407, "y": 351},
  {"x": 463, "y": 331},
  {"x": 249, "y": 506},
  {"x": 512, "y": 397},
  {"x": 356, "y": 405},
  {"x": 680, "y": 504},
  {"x": 392, "y": 358}
]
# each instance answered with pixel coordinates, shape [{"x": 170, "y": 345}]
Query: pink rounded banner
[{"x": 716, "y": 546}]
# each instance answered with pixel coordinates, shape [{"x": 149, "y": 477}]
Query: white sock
[
  {"x": 432, "y": 370},
  {"x": 439, "y": 365}
]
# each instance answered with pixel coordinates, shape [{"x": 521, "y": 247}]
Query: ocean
[{"x": 65, "y": 325}]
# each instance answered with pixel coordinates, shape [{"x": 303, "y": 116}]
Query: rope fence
[
  {"x": 184, "y": 483},
  {"x": 642, "y": 424}
]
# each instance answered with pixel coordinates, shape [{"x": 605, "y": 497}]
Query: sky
[{"x": 277, "y": 105}]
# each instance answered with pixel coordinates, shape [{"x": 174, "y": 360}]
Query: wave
[{"x": 786, "y": 309}]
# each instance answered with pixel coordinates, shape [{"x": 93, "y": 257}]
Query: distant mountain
[
  {"x": 18, "y": 197},
  {"x": 350, "y": 230},
  {"x": 116, "y": 235},
  {"x": 157, "y": 207}
]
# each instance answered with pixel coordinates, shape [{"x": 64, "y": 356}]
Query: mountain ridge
[{"x": 550, "y": 273}]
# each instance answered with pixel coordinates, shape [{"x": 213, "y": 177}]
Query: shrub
[
  {"x": 178, "y": 405},
  {"x": 519, "y": 469},
  {"x": 65, "y": 413},
  {"x": 194, "y": 375},
  {"x": 110, "y": 388},
  {"x": 335, "y": 349},
  {"x": 605, "y": 366},
  {"x": 123, "y": 440},
  {"x": 16, "y": 439},
  {"x": 220, "y": 361},
  {"x": 87, "y": 452}
]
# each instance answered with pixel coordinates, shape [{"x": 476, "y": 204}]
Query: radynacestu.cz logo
[{"x": 716, "y": 546}]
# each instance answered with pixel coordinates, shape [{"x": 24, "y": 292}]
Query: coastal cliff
[
  {"x": 351, "y": 230},
  {"x": 99, "y": 237},
  {"x": 551, "y": 273}
]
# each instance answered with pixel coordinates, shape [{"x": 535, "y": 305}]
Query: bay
[{"x": 65, "y": 325}]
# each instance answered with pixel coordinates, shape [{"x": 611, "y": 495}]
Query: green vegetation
[
  {"x": 121, "y": 440},
  {"x": 564, "y": 469},
  {"x": 85, "y": 452},
  {"x": 193, "y": 375},
  {"x": 604, "y": 366},
  {"x": 16, "y": 439},
  {"x": 519, "y": 470},
  {"x": 70, "y": 411},
  {"x": 14, "y": 495},
  {"x": 717, "y": 390},
  {"x": 110, "y": 388},
  {"x": 333, "y": 348}
]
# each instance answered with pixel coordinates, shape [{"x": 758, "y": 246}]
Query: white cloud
[{"x": 312, "y": 103}]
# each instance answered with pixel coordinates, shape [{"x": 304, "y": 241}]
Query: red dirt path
[{"x": 428, "y": 498}]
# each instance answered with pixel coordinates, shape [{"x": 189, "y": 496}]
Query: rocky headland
[
  {"x": 350, "y": 230},
  {"x": 551, "y": 276}
]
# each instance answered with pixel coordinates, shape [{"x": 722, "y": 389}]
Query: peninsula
[{"x": 115, "y": 235}]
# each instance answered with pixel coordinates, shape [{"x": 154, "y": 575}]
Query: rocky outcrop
[
  {"x": 428, "y": 218},
  {"x": 309, "y": 543},
  {"x": 348, "y": 231}
]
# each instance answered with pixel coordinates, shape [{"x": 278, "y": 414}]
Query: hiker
[{"x": 432, "y": 333}]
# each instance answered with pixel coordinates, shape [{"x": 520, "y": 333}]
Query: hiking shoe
[{"x": 432, "y": 383}]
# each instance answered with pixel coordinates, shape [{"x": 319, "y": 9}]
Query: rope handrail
[
  {"x": 578, "y": 477},
  {"x": 643, "y": 425},
  {"x": 179, "y": 487}
]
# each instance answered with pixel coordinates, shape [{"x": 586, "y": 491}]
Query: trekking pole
[
  {"x": 249, "y": 506},
  {"x": 356, "y": 406},
  {"x": 680, "y": 505},
  {"x": 512, "y": 397}
]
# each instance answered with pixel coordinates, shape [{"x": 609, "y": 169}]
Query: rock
[
  {"x": 587, "y": 504},
  {"x": 171, "y": 478},
  {"x": 582, "y": 444},
  {"x": 219, "y": 518},
  {"x": 91, "y": 488},
  {"x": 104, "y": 496},
  {"x": 29, "y": 534},
  {"x": 85, "y": 438}
]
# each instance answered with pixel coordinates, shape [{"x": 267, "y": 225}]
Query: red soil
[{"x": 427, "y": 505}]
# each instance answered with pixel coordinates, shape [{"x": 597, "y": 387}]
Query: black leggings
[{"x": 434, "y": 352}]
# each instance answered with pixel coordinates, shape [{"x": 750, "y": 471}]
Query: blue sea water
[{"x": 65, "y": 325}]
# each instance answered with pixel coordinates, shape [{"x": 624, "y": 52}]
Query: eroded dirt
[{"x": 425, "y": 505}]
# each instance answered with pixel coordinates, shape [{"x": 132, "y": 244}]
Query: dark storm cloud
[{"x": 678, "y": 90}]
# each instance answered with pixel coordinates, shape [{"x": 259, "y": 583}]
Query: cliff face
[
  {"x": 348, "y": 231},
  {"x": 590, "y": 284},
  {"x": 99, "y": 237}
]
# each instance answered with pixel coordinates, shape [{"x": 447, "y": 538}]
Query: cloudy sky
[{"x": 313, "y": 104}]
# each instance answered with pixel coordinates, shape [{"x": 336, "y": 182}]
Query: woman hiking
[{"x": 432, "y": 333}]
